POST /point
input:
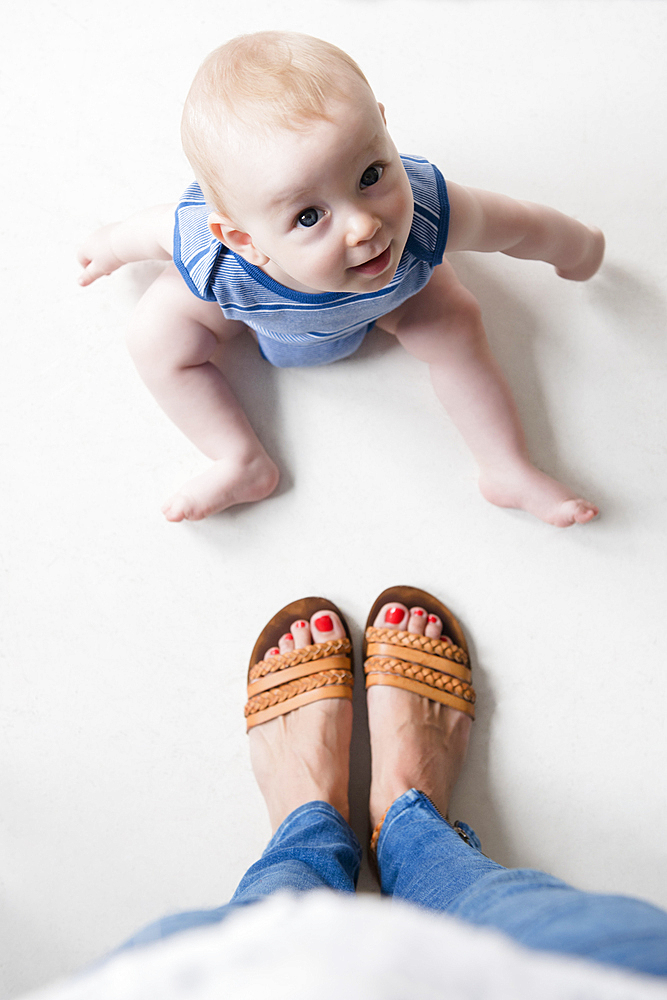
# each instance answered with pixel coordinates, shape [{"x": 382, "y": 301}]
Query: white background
[{"x": 126, "y": 786}]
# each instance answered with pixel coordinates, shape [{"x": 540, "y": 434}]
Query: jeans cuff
[
  {"x": 414, "y": 797},
  {"x": 320, "y": 807}
]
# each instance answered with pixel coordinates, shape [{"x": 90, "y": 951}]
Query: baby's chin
[
  {"x": 361, "y": 283},
  {"x": 359, "y": 286}
]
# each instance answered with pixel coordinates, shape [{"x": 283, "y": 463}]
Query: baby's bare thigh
[
  {"x": 440, "y": 304},
  {"x": 169, "y": 303}
]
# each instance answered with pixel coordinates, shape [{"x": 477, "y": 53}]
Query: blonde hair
[{"x": 268, "y": 80}]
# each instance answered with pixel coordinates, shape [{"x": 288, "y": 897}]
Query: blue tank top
[{"x": 297, "y": 328}]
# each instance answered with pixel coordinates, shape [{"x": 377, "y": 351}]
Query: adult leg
[
  {"x": 424, "y": 860},
  {"x": 420, "y": 744},
  {"x": 301, "y": 763},
  {"x": 442, "y": 325},
  {"x": 172, "y": 338},
  {"x": 314, "y": 848}
]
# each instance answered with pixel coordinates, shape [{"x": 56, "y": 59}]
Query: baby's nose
[{"x": 362, "y": 226}]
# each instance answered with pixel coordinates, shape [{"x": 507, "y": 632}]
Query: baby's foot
[
  {"x": 225, "y": 483},
  {"x": 415, "y": 742},
  {"x": 304, "y": 755},
  {"x": 526, "y": 488},
  {"x": 589, "y": 263}
]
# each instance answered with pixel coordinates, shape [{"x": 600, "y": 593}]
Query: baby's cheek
[
  {"x": 404, "y": 211},
  {"x": 400, "y": 206},
  {"x": 329, "y": 268}
]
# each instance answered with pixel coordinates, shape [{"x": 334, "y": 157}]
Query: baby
[{"x": 307, "y": 226}]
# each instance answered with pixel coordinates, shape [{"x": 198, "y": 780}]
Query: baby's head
[
  {"x": 291, "y": 151},
  {"x": 259, "y": 83}
]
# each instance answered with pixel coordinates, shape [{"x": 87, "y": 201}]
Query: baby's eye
[
  {"x": 309, "y": 217},
  {"x": 371, "y": 176}
]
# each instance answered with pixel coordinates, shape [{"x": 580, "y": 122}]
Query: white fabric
[{"x": 333, "y": 947}]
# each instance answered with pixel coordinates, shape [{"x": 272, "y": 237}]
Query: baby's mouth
[{"x": 375, "y": 265}]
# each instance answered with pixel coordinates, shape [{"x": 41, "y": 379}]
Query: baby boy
[{"x": 306, "y": 226}]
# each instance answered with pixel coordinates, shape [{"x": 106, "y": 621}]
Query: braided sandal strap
[
  {"x": 316, "y": 651},
  {"x": 432, "y": 668},
  {"x": 434, "y": 647},
  {"x": 282, "y": 693},
  {"x": 283, "y": 683},
  {"x": 414, "y": 671}
]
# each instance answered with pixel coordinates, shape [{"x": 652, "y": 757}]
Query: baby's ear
[{"x": 241, "y": 243}]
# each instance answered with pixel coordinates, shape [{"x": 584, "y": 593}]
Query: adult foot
[
  {"x": 526, "y": 488},
  {"x": 304, "y": 755},
  {"x": 415, "y": 742},
  {"x": 225, "y": 483}
]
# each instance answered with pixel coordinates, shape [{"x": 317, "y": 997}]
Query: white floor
[{"x": 126, "y": 786}]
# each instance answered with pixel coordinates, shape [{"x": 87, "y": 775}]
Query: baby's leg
[
  {"x": 442, "y": 325},
  {"x": 172, "y": 337}
]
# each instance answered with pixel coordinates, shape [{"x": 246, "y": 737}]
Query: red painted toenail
[
  {"x": 394, "y": 616},
  {"x": 324, "y": 624},
  {"x": 432, "y": 618},
  {"x": 299, "y": 624},
  {"x": 418, "y": 612},
  {"x": 288, "y": 635}
]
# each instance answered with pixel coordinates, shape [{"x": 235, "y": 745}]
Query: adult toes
[
  {"x": 300, "y": 632},
  {"x": 417, "y": 620},
  {"x": 326, "y": 625},
  {"x": 274, "y": 651},
  {"x": 433, "y": 627},
  {"x": 392, "y": 615},
  {"x": 286, "y": 642}
]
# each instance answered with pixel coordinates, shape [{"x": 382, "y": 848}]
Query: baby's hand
[{"x": 96, "y": 255}]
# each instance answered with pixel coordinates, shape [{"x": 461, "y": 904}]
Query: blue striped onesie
[{"x": 296, "y": 328}]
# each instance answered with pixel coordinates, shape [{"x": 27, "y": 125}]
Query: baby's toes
[
  {"x": 300, "y": 633},
  {"x": 326, "y": 625},
  {"x": 286, "y": 642},
  {"x": 392, "y": 615},
  {"x": 585, "y": 511},
  {"x": 575, "y": 511},
  {"x": 177, "y": 508},
  {"x": 417, "y": 621}
]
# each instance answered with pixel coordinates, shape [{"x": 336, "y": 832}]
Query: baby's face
[{"x": 330, "y": 208}]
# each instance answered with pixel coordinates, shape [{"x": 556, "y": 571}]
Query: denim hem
[
  {"x": 406, "y": 801},
  {"x": 316, "y": 806}
]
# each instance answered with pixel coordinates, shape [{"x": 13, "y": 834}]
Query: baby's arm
[
  {"x": 482, "y": 220},
  {"x": 148, "y": 235}
]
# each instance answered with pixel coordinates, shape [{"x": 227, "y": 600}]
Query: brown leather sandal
[
  {"x": 430, "y": 667},
  {"x": 433, "y": 668},
  {"x": 282, "y": 683}
]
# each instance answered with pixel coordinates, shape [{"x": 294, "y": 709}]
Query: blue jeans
[{"x": 424, "y": 860}]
